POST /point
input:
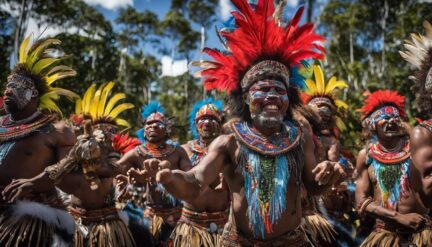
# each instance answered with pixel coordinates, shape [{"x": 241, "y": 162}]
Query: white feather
[{"x": 52, "y": 216}]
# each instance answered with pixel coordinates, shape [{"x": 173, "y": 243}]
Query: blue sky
[{"x": 110, "y": 8}]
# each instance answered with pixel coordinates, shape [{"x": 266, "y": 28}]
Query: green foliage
[{"x": 364, "y": 37}]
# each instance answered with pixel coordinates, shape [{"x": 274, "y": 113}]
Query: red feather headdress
[
  {"x": 258, "y": 41},
  {"x": 124, "y": 143},
  {"x": 381, "y": 98}
]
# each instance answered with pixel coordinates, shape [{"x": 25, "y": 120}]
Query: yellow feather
[
  {"x": 78, "y": 106},
  {"x": 122, "y": 122},
  {"x": 24, "y": 48},
  {"x": 103, "y": 98},
  {"x": 88, "y": 95},
  {"x": 340, "y": 124},
  {"x": 46, "y": 101},
  {"x": 58, "y": 76},
  {"x": 42, "y": 64},
  {"x": 35, "y": 54},
  {"x": 319, "y": 79},
  {"x": 119, "y": 109},
  {"x": 95, "y": 102},
  {"x": 341, "y": 104},
  {"x": 64, "y": 92},
  {"x": 311, "y": 87},
  {"x": 112, "y": 102},
  {"x": 333, "y": 84}
]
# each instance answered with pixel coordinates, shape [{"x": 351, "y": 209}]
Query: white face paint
[{"x": 22, "y": 91}]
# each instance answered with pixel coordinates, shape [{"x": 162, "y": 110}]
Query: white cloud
[
  {"x": 173, "y": 68},
  {"x": 110, "y": 4},
  {"x": 225, "y": 9}
]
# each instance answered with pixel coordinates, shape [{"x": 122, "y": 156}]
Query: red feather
[
  {"x": 258, "y": 37},
  {"x": 124, "y": 143},
  {"x": 380, "y": 98}
]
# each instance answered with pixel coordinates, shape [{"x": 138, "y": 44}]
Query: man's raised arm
[{"x": 187, "y": 185}]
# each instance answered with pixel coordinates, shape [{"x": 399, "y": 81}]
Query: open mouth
[
  {"x": 391, "y": 129},
  {"x": 271, "y": 108}
]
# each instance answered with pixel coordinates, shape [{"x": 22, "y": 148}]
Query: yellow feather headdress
[
  {"x": 319, "y": 89},
  {"x": 97, "y": 105},
  {"x": 37, "y": 60}
]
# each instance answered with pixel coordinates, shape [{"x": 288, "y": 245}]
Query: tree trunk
[
  {"x": 26, "y": 6},
  {"x": 383, "y": 31},
  {"x": 201, "y": 53},
  {"x": 351, "y": 47}
]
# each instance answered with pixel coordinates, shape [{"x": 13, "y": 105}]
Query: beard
[{"x": 267, "y": 121}]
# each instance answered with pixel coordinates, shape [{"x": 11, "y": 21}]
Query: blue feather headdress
[
  {"x": 196, "y": 108},
  {"x": 154, "y": 110}
]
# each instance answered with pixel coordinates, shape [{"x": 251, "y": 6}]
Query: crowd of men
[{"x": 266, "y": 167}]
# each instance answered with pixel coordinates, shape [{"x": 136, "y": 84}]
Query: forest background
[{"x": 147, "y": 51}]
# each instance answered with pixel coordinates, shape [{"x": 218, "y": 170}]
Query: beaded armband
[{"x": 361, "y": 208}]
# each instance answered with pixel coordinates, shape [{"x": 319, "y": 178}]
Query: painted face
[
  {"x": 268, "y": 102},
  {"x": 155, "y": 131},
  {"x": 18, "y": 93},
  {"x": 386, "y": 122},
  {"x": 208, "y": 127},
  {"x": 323, "y": 107}
]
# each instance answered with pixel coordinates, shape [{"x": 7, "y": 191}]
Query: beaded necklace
[
  {"x": 159, "y": 151},
  {"x": 155, "y": 151},
  {"x": 267, "y": 165},
  {"x": 198, "y": 151},
  {"x": 9, "y": 131},
  {"x": 391, "y": 170}
]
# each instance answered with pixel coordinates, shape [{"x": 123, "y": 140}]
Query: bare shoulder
[
  {"x": 361, "y": 159},
  {"x": 420, "y": 136},
  {"x": 64, "y": 133},
  {"x": 224, "y": 143}
]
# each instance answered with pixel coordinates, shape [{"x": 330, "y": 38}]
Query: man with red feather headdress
[
  {"x": 383, "y": 167},
  {"x": 268, "y": 155}
]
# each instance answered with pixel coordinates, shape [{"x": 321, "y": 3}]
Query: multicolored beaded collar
[
  {"x": 288, "y": 139},
  {"x": 427, "y": 124},
  {"x": 198, "y": 150},
  {"x": 155, "y": 151},
  {"x": 391, "y": 171},
  {"x": 376, "y": 152},
  {"x": 10, "y": 132}
]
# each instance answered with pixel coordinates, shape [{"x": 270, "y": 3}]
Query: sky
[{"x": 110, "y": 8}]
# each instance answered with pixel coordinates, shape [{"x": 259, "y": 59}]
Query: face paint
[
  {"x": 268, "y": 102},
  {"x": 155, "y": 131},
  {"x": 208, "y": 127},
  {"x": 386, "y": 114},
  {"x": 323, "y": 106},
  {"x": 21, "y": 91}
]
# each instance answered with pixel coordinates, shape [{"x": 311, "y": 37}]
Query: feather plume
[
  {"x": 258, "y": 37},
  {"x": 196, "y": 107},
  {"x": 318, "y": 88},
  {"x": 37, "y": 59},
  {"x": 381, "y": 98},
  {"x": 94, "y": 105}
]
